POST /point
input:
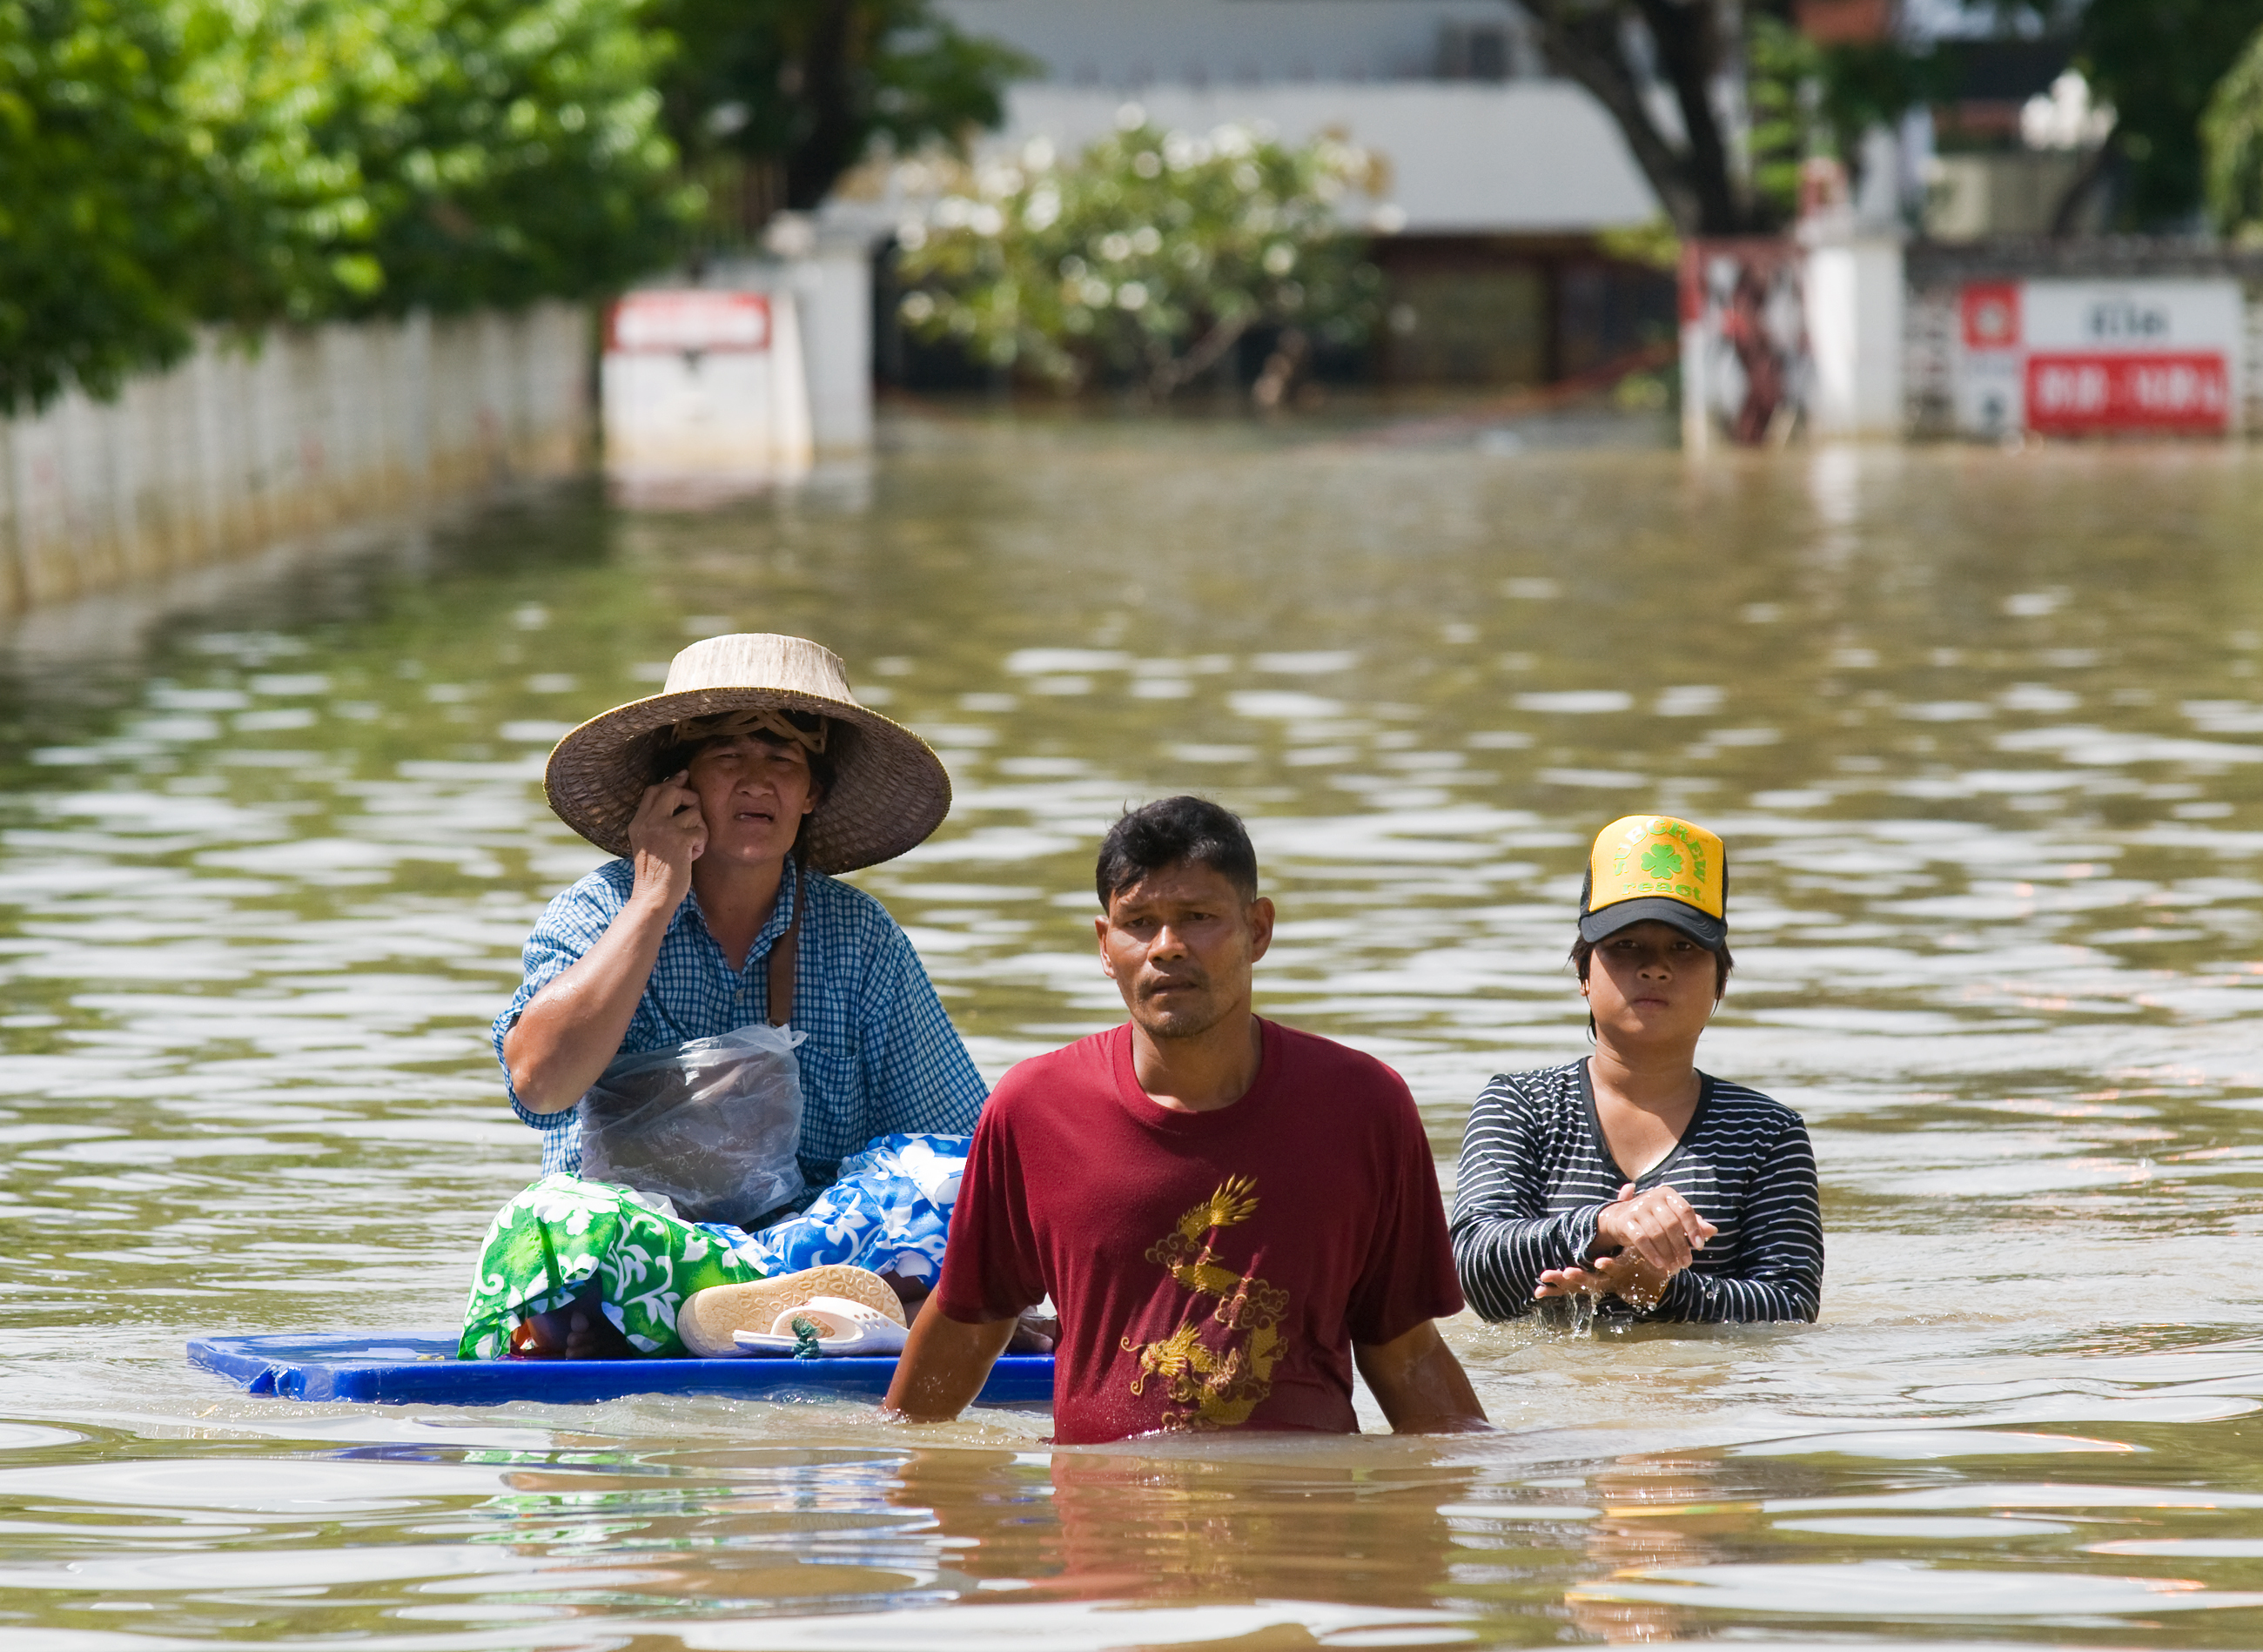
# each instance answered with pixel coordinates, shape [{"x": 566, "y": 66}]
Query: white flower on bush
[{"x": 1181, "y": 151}]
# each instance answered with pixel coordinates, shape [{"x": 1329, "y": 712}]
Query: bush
[{"x": 1147, "y": 258}]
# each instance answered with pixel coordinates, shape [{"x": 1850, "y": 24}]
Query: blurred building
[
  {"x": 2017, "y": 141},
  {"x": 1500, "y": 179}
]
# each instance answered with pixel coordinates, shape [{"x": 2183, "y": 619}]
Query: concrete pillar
[
  {"x": 828, "y": 276},
  {"x": 833, "y": 295},
  {"x": 1856, "y": 294}
]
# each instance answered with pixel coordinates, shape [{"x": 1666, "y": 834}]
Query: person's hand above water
[
  {"x": 1629, "y": 1279},
  {"x": 1659, "y": 1227},
  {"x": 666, "y": 835},
  {"x": 1653, "y": 1236}
]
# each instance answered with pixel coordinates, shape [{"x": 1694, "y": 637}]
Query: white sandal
[
  {"x": 844, "y": 1329},
  {"x": 709, "y": 1318}
]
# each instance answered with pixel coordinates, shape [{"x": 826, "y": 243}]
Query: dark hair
[
  {"x": 1583, "y": 954},
  {"x": 1176, "y": 831}
]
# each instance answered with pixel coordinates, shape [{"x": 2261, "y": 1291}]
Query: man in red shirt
[{"x": 1227, "y": 1213}]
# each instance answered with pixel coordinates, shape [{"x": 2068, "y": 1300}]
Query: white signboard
[
  {"x": 704, "y": 389},
  {"x": 2099, "y": 358}
]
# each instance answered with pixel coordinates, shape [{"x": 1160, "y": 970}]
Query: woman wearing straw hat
[
  {"x": 1630, "y": 1182},
  {"x": 728, "y": 799}
]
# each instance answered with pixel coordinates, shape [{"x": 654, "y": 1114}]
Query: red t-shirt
[{"x": 1212, "y": 1269}]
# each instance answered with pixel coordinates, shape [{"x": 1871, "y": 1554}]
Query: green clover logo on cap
[{"x": 1662, "y": 861}]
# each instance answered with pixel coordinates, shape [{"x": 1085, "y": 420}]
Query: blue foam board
[{"x": 419, "y": 1370}]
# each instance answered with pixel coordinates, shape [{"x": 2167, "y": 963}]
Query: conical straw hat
[{"x": 889, "y": 791}]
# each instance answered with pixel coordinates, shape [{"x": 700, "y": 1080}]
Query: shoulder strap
[{"x": 786, "y": 952}]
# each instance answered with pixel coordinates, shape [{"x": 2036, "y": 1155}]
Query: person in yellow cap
[{"x": 1630, "y": 1179}]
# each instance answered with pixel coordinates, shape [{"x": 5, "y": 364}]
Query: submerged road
[{"x": 1984, "y": 734}]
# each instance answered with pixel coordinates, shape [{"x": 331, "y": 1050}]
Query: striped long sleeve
[{"x": 1535, "y": 1172}]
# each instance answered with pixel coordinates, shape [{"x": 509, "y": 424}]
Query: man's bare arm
[
  {"x": 1420, "y": 1385},
  {"x": 942, "y": 1366},
  {"x": 574, "y": 1027}
]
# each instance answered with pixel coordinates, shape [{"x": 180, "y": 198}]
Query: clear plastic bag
[{"x": 710, "y": 1125}]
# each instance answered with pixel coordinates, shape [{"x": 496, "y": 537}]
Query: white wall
[
  {"x": 1139, "y": 42},
  {"x": 1856, "y": 294},
  {"x": 235, "y": 447},
  {"x": 1464, "y": 157}
]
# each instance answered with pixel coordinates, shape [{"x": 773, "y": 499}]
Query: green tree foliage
[
  {"x": 167, "y": 163},
  {"x": 107, "y": 193},
  {"x": 444, "y": 154},
  {"x": 808, "y": 86},
  {"x": 2157, "y": 61},
  {"x": 1807, "y": 100},
  {"x": 1147, "y": 258},
  {"x": 2231, "y": 131}
]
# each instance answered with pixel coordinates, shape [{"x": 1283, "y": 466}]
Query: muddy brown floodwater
[{"x": 1984, "y": 734}]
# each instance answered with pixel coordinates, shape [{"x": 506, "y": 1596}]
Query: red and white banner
[
  {"x": 2097, "y": 357},
  {"x": 2073, "y": 395},
  {"x": 688, "y": 319}
]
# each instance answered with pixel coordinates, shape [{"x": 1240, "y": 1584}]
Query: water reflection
[{"x": 1982, "y": 729}]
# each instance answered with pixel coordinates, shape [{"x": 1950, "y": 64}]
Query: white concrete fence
[
  {"x": 1837, "y": 336},
  {"x": 235, "y": 447}
]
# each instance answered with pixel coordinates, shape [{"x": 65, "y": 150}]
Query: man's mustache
[{"x": 1154, "y": 979}]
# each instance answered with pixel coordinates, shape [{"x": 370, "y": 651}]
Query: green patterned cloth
[{"x": 550, "y": 1241}]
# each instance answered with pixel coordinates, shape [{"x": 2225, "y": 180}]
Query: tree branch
[
  {"x": 828, "y": 146},
  {"x": 1692, "y": 49},
  {"x": 1584, "y": 40},
  {"x": 1576, "y": 46},
  {"x": 2087, "y": 180},
  {"x": 1170, "y": 374}
]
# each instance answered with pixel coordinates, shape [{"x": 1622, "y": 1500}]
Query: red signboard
[
  {"x": 692, "y": 318},
  {"x": 2078, "y": 393},
  {"x": 1990, "y": 311}
]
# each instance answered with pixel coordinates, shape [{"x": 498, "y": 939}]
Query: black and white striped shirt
[{"x": 1535, "y": 1172}]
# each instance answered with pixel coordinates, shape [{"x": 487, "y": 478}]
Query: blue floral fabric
[{"x": 889, "y": 1210}]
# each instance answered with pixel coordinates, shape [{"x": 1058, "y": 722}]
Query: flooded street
[{"x": 1984, "y": 732}]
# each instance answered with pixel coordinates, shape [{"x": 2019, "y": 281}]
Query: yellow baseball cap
[{"x": 1653, "y": 868}]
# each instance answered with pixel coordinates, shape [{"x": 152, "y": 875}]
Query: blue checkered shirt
[{"x": 880, "y": 1056}]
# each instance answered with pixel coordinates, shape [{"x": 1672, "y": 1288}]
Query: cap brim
[{"x": 1702, "y": 927}]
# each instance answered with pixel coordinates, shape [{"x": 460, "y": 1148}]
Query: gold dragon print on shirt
[{"x": 1214, "y": 1385}]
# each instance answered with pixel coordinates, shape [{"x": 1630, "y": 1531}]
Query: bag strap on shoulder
[{"x": 786, "y": 952}]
